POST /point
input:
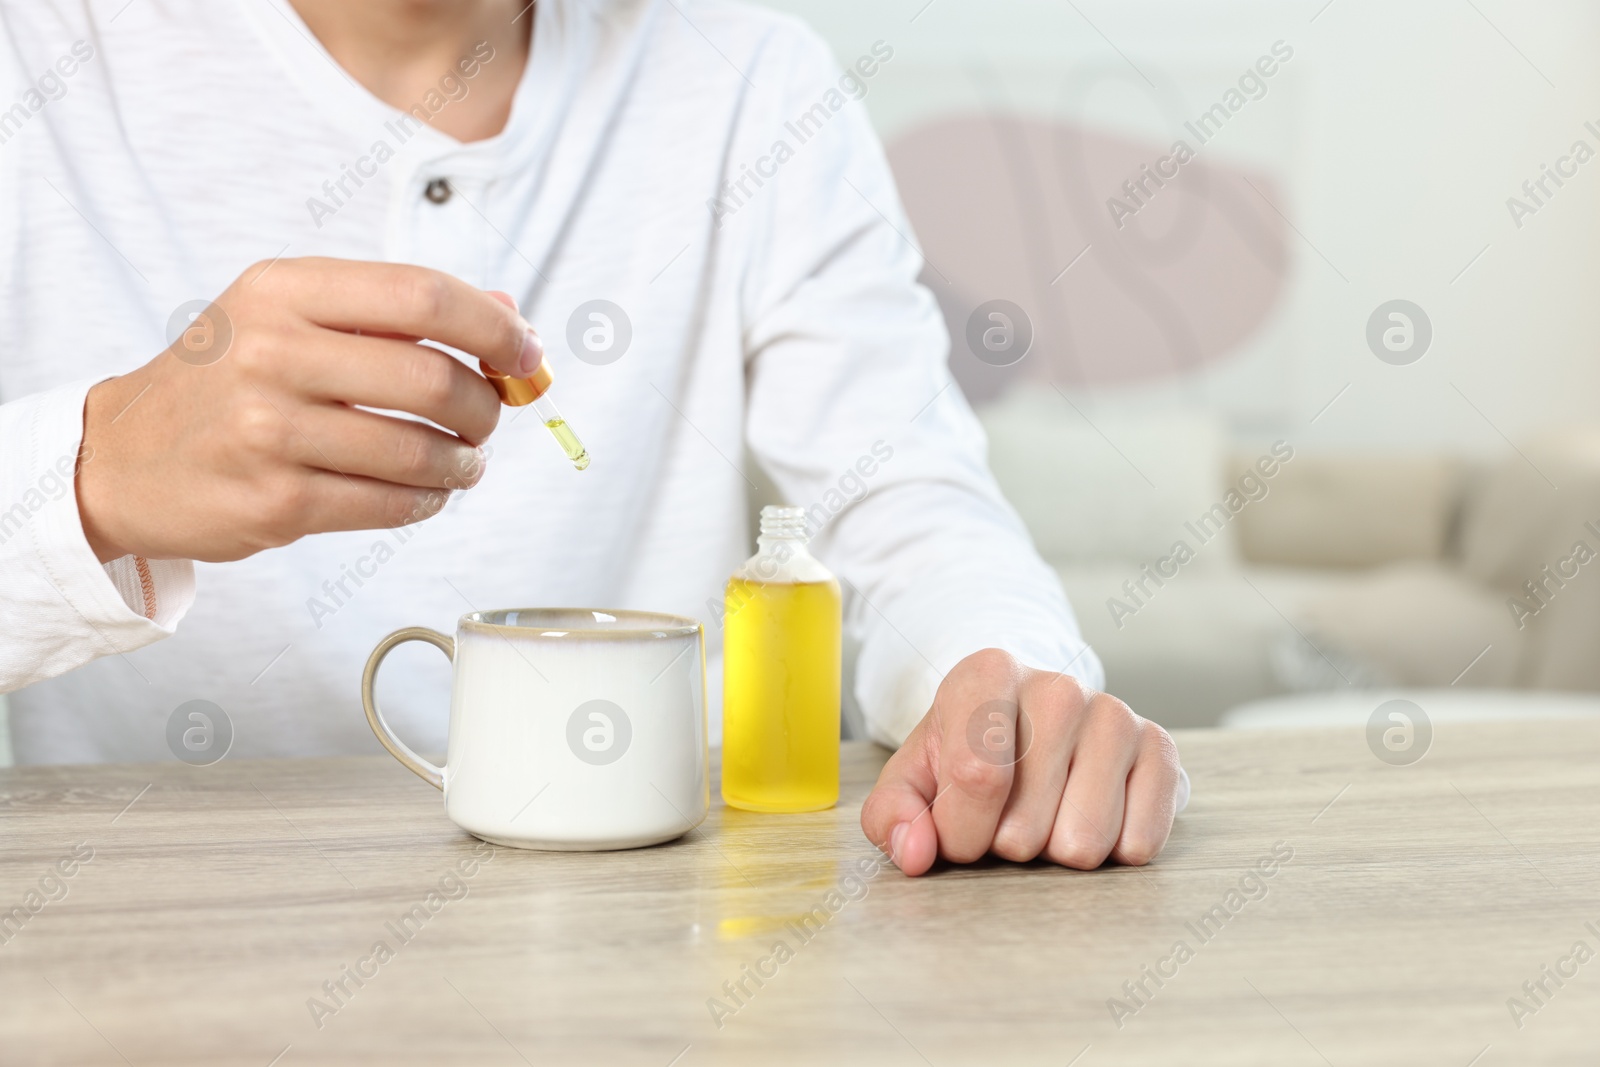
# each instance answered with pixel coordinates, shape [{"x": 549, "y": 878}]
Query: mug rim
[{"x": 640, "y": 623}]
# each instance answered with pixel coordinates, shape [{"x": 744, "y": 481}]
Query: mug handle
[{"x": 434, "y": 776}]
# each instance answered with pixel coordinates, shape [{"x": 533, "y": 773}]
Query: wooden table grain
[{"x": 206, "y": 908}]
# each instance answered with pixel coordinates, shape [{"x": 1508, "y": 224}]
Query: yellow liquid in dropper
[{"x": 569, "y": 442}]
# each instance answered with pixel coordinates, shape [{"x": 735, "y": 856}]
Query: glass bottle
[{"x": 780, "y": 694}]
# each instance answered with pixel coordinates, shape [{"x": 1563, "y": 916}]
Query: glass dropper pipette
[{"x": 535, "y": 390}]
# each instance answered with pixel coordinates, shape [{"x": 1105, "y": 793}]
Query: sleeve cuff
[
  {"x": 897, "y": 682},
  {"x": 159, "y": 589},
  {"x": 108, "y": 601}
]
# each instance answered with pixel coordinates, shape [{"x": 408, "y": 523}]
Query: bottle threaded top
[{"x": 784, "y": 522}]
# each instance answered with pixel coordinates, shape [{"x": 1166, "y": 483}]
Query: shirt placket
[{"x": 443, "y": 219}]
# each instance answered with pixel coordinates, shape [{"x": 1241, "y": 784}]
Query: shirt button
[{"x": 438, "y": 190}]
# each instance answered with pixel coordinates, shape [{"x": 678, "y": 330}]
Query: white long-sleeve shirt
[{"x": 702, "y": 166}]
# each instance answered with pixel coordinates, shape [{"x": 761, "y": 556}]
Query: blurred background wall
[{"x": 1345, "y": 156}]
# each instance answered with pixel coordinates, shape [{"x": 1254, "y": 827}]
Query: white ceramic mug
[{"x": 570, "y": 728}]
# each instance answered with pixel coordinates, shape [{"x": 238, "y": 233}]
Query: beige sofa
[{"x": 1333, "y": 572}]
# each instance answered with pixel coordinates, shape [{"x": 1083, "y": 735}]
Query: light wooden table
[{"x": 219, "y": 900}]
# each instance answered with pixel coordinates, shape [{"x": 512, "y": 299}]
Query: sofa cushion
[
  {"x": 1351, "y": 511},
  {"x": 1538, "y": 547},
  {"x": 1413, "y": 624},
  {"x": 1519, "y": 517},
  {"x": 1206, "y": 641},
  {"x": 1097, "y": 485},
  {"x": 1196, "y": 647}
]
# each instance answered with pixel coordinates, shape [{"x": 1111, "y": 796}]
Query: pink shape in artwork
[{"x": 1002, "y": 205}]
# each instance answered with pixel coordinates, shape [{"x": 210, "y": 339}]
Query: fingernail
[
  {"x": 896, "y": 839},
  {"x": 532, "y": 353}
]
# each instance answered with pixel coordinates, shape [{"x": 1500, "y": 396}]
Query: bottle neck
[
  {"x": 783, "y": 532},
  {"x": 781, "y": 546},
  {"x": 782, "y": 555}
]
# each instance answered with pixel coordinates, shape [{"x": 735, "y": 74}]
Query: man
[{"x": 345, "y": 177}]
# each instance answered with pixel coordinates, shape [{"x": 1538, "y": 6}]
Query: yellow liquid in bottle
[
  {"x": 569, "y": 443},
  {"x": 780, "y": 701}
]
